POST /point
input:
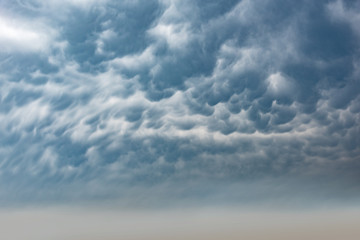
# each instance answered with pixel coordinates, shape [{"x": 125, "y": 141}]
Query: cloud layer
[{"x": 103, "y": 99}]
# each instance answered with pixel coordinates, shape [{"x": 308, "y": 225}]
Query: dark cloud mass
[{"x": 226, "y": 100}]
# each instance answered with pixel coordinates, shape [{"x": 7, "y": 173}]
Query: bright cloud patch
[{"x": 21, "y": 35}]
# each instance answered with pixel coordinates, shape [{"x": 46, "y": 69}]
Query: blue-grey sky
[{"x": 161, "y": 101}]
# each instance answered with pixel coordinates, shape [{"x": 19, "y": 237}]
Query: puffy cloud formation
[{"x": 108, "y": 99}]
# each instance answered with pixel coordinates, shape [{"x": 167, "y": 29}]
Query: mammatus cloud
[{"x": 104, "y": 99}]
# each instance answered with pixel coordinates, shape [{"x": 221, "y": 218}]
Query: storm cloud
[{"x": 108, "y": 99}]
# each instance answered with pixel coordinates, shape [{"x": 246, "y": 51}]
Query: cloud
[
  {"x": 20, "y": 35},
  {"x": 341, "y": 11},
  {"x": 113, "y": 98}
]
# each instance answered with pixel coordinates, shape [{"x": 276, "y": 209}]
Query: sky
[
  {"x": 193, "y": 224},
  {"x": 160, "y": 103}
]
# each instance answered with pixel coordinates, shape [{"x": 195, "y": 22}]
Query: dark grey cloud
[{"x": 104, "y": 99}]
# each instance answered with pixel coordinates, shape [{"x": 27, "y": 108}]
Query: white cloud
[
  {"x": 136, "y": 61},
  {"x": 21, "y": 117},
  {"x": 173, "y": 27},
  {"x": 61, "y": 5},
  {"x": 102, "y": 38},
  {"x": 339, "y": 12},
  {"x": 176, "y": 36},
  {"x": 48, "y": 161},
  {"x": 280, "y": 85},
  {"x": 21, "y": 35}
]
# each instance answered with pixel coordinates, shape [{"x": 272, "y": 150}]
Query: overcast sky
[
  {"x": 161, "y": 102},
  {"x": 190, "y": 224}
]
